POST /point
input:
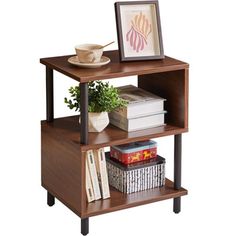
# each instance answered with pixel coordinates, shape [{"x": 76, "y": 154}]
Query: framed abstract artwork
[{"x": 139, "y": 30}]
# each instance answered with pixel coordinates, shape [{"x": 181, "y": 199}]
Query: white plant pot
[{"x": 97, "y": 122}]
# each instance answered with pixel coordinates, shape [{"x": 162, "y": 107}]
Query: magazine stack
[{"x": 135, "y": 167}]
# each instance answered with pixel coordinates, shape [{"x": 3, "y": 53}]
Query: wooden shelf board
[
  {"x": 114, "y": 69},
  {"x": 119, "y": 200},
  {"x": 67, "y": 128}
]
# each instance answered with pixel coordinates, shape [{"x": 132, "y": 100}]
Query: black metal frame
[
  {"x": 84, "y": 112},
  {"x": 84, "y": 140},
  {"x": 84, "y": 127},
  {"x": 84, "y": 137},
  {"x": 49, "y": 94},
  {"x": 177, "y": 170},
  {"x": 50, "y": 199},
  {"x": 49, "y": 115},
  {"x": 85, "y": 226}
]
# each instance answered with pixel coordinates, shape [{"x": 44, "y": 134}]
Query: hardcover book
[
  {"x": 93, "y": 174},
  {"x": 140, "y": 102},
  {"x": 137, "y": 123},
  {"x": 100, "y": 160},
  {"x": 89, "y": 187}
]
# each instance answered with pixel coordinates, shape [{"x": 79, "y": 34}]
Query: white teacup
[{"x": 89, "y": 53}]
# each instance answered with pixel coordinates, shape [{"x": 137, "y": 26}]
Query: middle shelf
[{"x": 68, "y": 128}]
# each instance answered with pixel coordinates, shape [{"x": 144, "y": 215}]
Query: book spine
[
  {"x": 89, "y": 187},
  {"x": 103, "y": 173},
  {"x": 119, "y": 123},
  {"x": 93, "y": 174},
  {"x": 119, "y": 112}
]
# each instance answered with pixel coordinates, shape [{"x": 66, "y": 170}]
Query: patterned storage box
[
  {"x": 134, "y": 152},
  {"x": 138, "y": 176}
]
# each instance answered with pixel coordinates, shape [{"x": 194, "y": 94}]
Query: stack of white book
[
  {"x": 144, "y": 110},
  {"x": 97, "y": 185}
]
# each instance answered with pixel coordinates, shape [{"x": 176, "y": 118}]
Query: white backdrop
[{"x": 199, "y": 32}]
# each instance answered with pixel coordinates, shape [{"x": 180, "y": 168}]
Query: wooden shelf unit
[{"x": 65, "y": 142}]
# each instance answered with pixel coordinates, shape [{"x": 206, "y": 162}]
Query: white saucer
[{"x": 74, "y": 61}]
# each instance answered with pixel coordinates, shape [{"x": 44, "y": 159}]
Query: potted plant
[{"x": 102, "y": 98}]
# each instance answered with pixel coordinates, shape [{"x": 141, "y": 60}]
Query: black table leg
[
  {"x": 84, "y": 113},
  {"x": 50, "y": 199},
  {"x": 177, "y": 170},
  {"x": 84, "y": 137},
  {"x": 49, "y": 94},
  {"x": 85, "y": 226}
]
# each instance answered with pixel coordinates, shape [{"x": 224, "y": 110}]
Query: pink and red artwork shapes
[{"x": 139, "y": 32}]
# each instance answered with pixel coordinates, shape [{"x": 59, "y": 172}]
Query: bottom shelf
[{"x": 119, "y": 200}]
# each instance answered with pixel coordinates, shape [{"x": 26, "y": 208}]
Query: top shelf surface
[{"x": 114, "y": 69}]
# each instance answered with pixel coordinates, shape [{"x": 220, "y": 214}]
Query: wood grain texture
[
  {"x": 119, "y": 200},
  {"x": 63, "y": 155},
  {"x": 114, "y": 69},
  {"x": 63, "y": 163},
  {"x": 62, "y": 169},
  {"x": 68, "y": 128},
  {"x": 173, "y": 86}
]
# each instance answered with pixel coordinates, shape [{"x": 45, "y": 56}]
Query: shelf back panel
[{"x": 173, "y": 86}]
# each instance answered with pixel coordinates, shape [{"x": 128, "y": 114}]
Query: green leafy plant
[{"x": 102, "y": 97}]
